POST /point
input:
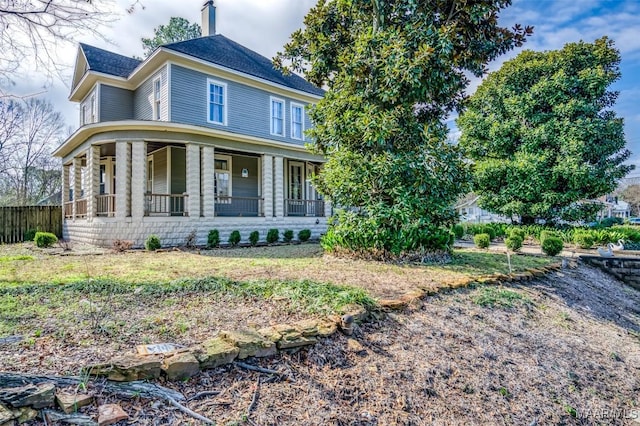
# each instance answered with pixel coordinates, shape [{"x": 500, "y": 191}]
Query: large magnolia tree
[
  {"x": 394, "y": 71},
  {"x": 542, "y": 133}
]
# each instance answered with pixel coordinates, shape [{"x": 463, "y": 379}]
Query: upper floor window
[
  {"x": 156, "y": 99},
  {"x": 217, "y": 102},
  {"x": 277, "y": 117},
  {"x": 94, "y": 109},
  {"x": 297, "y": 121}
]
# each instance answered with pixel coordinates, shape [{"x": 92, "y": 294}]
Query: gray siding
[
  {"x": 244, "y": 187},
  {"x": 248, "y": 108},
  {"x": 143, "y": 97},
  {"x": 178, "y": 170},
  {"x": 115, "y": 103},
  {"x": 160, "y": 171}
]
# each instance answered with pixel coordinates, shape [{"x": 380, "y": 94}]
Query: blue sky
[{"x": 264, "y": 26}]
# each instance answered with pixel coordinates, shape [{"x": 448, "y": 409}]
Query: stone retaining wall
[{"x": 626, "y": 269}]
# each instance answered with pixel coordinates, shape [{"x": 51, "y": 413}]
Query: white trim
[
  {"x": 272, "y": 100},
  {"x": 156, "y": 104},
  {"x": 301, "y": 106},
  {"x": 303, "y": 170},
  {"x": 169, "y": 65},
  {"x": 229, "y": 159},
  {"x": 225, "y": 106}
]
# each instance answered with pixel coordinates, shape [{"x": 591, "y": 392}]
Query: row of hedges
[{"x": 153, "y": 242}]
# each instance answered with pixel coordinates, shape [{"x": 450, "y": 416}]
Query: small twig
[
  {"x": 254, "y": 400},
  {"x": 189, "y": 412},
  {"x": 256, "y": 368},
  {"x": 203, "y": 394}
]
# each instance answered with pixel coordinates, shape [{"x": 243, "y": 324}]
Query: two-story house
[{"x": 203, "y": 134}]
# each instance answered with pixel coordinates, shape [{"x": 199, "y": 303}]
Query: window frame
[
  {"x": 229, "y": 171},
  {"x": 157, "y": 98},
  {"x": 223, "y": 85},
  {"x": 293, "y": 124},
  {"x": 273, "y": 100}
]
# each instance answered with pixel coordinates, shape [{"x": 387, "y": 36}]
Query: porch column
[
  {"x": 267, "y": 185},
  {"x": 327, "y": 208},
  {"x": 208, "y": 181},
  {"x": 93, "y": 186},
  {"x": 123, "y": 179},
  {"x": 279, "y": 186},
  {"x": 77, "y": 183},
  {"x": 193, "y": 179},
  {"x": 138, "y": 177},
  {"x": 65, "y": 184}
]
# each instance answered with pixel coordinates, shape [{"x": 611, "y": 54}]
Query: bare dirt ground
[{"x": 561, "y": 350}]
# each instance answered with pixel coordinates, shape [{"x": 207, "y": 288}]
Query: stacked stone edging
[{"x": 626, "y": 269}]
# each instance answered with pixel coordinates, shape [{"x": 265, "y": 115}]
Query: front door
[{"x": 295, "y": 204}]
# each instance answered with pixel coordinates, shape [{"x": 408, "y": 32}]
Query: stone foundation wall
[
  {"x": 626, "y": 269},
  {"x": 174, "y": 231}
]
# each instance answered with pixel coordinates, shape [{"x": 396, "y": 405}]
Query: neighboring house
[
  {"x": 613, "y": 207},
  {"x": 203, "y": 134},
  {"x": 469, "y": 211}
]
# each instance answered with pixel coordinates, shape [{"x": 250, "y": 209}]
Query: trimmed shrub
[
  {"x": 304, "y": 235},
  {"x": 481, "y": 240},
  {"x": 254, "y": 237},
  {"x": 287, "y": 236},
  {"x": 234, "y": 238},
  {"x": 546, "y": 234},
  {"x": 273, "y": 235},
  {"x": 458, "y": 230},
  {"x": 152, "y": 243},
  {"x": 552, "y": 246},
  {"x": 583, "y": 240},
  {"x": 213, "y": 239},
  {"x": 513, "y": 243},
  {"x": 610, "y": 221},
  {"x": 517, "y": 232},
  {"x": 44, "y": 239}
]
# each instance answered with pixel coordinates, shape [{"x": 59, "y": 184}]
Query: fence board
[{"x": 16, "y": 221}]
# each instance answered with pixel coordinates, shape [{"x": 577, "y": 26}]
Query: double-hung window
[
  {"x": 297, "y": 121},
  {"x": 156, "y": 98},
  {"x": 277, "y": 117},
  {"x": 217, "y": 101}
]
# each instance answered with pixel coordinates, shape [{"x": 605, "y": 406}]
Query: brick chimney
[{"x": 208, "y": 19}]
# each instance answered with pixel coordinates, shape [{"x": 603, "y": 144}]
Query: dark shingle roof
[
  {"x": 101, "y": 60},
  {"x": 221, "y": 51}
]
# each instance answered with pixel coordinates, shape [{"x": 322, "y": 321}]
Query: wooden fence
[{"x": 16, "y": 221}]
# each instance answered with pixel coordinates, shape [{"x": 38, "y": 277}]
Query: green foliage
[
  {"x": 273, "y": 235},
  {"x": 30, "y": 235},
  {"x": 517, "y": 232},
  {"x": 513, "y": 243},
  {"x": 254, "y": 237},
  {"x": 178, "y": 29},
  {"x": 481, "y": 240},
  {"x": 304, "y": 235},
  {"x": 45, "y": 239},
  {"x": 552, "y": 246},
  {"x": 458, "y": 230},
  {"x": 364, "y": 235},
  {"x": 583, "y": 239},
  {"x": 152, "y": 243},
  {"x": 383, "y": 132},
  {"x": 498, "y": 297},
  {"x": 610, "y": 221},
  {"x": 213, "y": 239},
  {"x": 543, "y": 136},
  {"x": 287, "y": 236},
  {"x": 548, "y": 233},
  {"x": 234, "y": 238}
]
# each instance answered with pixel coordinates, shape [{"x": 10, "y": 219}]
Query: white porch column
[
  {"x": 93, "y": 186},
  {"x": 138, "y": 177},
  {"x": 123, "y": 179},
  {"x": 65, "y": 184},
  {"x": 279, "y": 186},
  {"x": 267, "y": 185},
  {"x": 193, "y": 179},
  {"x": 77, "y": 183},
  {"x": 208, "y": 181}
]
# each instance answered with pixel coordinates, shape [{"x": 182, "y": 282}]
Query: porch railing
[
  {"x": 239, "y": 206},
  {"x": 304, "y": 208},
  {"x": 68, "y": 210},
  {"x": 81, "y": 208},
  {"x": 106, "y": 205},
  {"x": 166, "y": 205}
]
